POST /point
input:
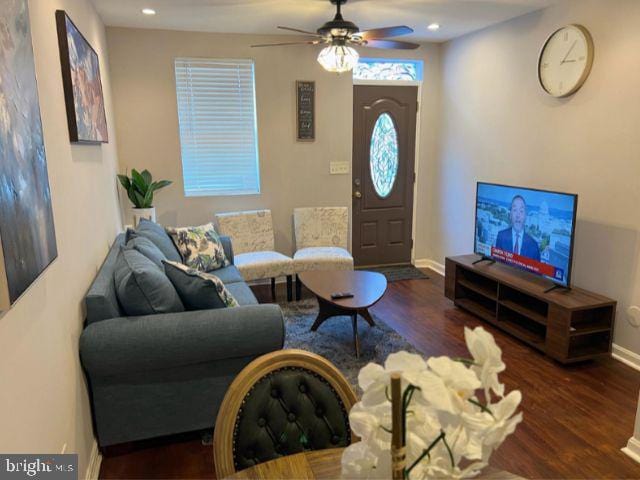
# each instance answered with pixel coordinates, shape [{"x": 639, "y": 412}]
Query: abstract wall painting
[
  {"x": 82, "y": 84},
  {"x": 27, "y": 231}
]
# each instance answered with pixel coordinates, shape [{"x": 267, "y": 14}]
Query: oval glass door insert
[{"x": 383, "y": 155}]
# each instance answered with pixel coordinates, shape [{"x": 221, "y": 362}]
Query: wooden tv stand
[{"x": 567, "y": 325}]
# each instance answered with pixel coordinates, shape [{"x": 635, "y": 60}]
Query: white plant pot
[{"x": 140, "y": 213}]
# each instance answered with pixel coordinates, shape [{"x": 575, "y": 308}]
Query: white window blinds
[{"x": 218, "y": 132}]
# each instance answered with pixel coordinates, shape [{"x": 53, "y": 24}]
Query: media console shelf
[{"x": 567, "y": 325}]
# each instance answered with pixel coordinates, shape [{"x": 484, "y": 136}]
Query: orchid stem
[
  {"x": 466, "y": 361},
  {"x": 406, "y": 400},
  {"x": 425, "y": 453},
  {"x": 484, "y": 408}
]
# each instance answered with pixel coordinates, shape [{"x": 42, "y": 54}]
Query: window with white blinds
[{"x": 218, "y": 126}]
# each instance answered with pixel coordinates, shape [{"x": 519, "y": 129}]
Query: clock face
[{"x": 565, "y": 61}]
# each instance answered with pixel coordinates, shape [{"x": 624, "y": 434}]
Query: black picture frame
[
  {"x": 305, "y": 111},
  {"x": 85, "y": 132}
]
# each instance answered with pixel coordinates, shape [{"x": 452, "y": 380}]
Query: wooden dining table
[{"x": 323, "y": 465}]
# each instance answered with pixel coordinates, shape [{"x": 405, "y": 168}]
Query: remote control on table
[{"x": 339, "y": 295}]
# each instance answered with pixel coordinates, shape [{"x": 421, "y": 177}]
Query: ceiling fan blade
[
  {"x": 300, "y": 31},
  {"x": 384, "y": 32},
  {"x": 310, "y": 42},
  {"x": 390, "y": 44}
]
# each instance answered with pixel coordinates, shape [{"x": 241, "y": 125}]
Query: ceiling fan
[{"x": 341, "y": 35}]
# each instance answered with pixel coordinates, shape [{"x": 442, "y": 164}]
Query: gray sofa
[{"x": 162, "y": 374}]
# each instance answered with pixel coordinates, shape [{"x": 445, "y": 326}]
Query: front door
[{"x": 384, "y": 136}]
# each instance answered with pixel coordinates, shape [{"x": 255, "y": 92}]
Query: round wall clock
[{"x": 565, "y": 61}]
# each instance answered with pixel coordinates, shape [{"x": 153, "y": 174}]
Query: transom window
[
  {"x": 388, "y": 69},
  {"x": 218, "y": 126}
]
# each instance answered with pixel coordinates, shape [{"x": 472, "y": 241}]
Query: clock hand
[{"x": 564, "y": 60}]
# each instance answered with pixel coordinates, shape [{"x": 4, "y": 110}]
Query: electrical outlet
[
  {"x": 633, "y": 316},
  {"x": 339, "y": 168}
]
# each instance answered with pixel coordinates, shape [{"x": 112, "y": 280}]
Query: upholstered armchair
[
  {"x": 254, "y": 247},
  {"x": 321, "y": 240}
]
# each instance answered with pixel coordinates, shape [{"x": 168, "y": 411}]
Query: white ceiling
[{"x": 456, "y": 17}]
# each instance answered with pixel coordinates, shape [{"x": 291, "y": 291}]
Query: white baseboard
[
  {"x": 625, "y": 356},
  {"x": 430, "y": 264},
  {"x": 633, "y": 449},
  {"x": 95, "y": 459}
]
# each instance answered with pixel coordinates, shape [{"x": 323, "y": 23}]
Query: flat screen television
[{"x": 527, "y": 228}]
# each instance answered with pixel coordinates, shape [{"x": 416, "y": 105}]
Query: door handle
[{"x": 357, "y": 194}]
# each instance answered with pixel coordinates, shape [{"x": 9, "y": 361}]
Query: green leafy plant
[{"x": 140, "y": 187}]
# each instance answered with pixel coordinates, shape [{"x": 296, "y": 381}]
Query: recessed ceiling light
[
  {"x": 148, "y": 11},
  {"x": 434, "y": 26}
]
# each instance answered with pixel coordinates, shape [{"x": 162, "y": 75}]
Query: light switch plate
[{"x": 339, "y": 168}]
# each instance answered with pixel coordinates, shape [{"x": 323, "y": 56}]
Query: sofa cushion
[
  {"x": 229, "y": 274},
  {"x": 142, "y": 287},
  {"x": 322, "y": 258},
  {"x": 157, "y": 234},
  {"x": 267, "y": 264},
  {"x": 101, "y": 301},
  {"x": 198, "y": 290},
  {"x": 148, "y": 249},
  {"x": 242, "y": 293},
  {"x": 200, "y": 247}
]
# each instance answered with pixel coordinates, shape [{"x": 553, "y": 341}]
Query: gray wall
[
  {"x": 43, "y": 395},
  {"x": 293, "y": 174},
  {"x": 498, "y": 125}
]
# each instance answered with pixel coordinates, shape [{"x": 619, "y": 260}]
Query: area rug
[
  {"x": 399, "y": 272},
  {"x": 334, "y": 339}
]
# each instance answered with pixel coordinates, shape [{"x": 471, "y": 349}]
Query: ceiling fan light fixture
[{"x": 338, "y": 58}]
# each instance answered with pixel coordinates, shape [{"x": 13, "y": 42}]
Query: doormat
[{"x": 397, "y": 273}]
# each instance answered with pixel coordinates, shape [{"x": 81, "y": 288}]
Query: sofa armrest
[
  {"x": 140, "y": 344},
  {"x": 228, "y": 247}
]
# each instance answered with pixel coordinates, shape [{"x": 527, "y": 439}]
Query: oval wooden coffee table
[{"x": 367, "y": 288}]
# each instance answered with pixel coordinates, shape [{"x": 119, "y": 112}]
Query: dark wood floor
[{"x": 576, "y": 418}]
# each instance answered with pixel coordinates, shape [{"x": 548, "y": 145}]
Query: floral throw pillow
[
  {"x": 200, "y": 247},
  {"x": 198, "y": 290}
]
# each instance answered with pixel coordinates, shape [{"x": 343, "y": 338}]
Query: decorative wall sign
[
  {"x": 26, "y": 218},
  {"x": 305, "y": 109},
  {"x": 82, "y": 84}
]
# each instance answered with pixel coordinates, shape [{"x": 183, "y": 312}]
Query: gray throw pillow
[
  {"x": 148, "y": 249},
  {"x": 198, "y": 290},
  {"x": 160, "y": 238},
  {"x": 142, "y": 287}
]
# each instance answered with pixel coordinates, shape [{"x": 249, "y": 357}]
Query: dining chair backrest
[{"x": 282, "y": 403}]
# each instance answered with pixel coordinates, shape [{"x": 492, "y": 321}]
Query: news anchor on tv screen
[
  {"x": 515, "y": 239},
  {"x": 526, "y": 228}
]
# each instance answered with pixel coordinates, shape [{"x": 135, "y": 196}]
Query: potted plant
[
  {"x": 439, "y": 418},
  {"x": 140, "y": 189}
]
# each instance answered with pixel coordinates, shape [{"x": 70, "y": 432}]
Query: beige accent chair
[
  {"x": 253, "y": 242},
  {"x": 321, "y": 240}
]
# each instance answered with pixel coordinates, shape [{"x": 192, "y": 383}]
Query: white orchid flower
[
  {"x": 359, "y": 461},
  {"x": 374, "y": 379},
  {"x": 487, "y": 357},
  {"x": 449, "y": 432},
  {"x": 505, "y": 421}
]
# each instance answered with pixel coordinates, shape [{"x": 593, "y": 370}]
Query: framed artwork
[
  {"x": 305, "y": 111},
  {"x": 82, "y": 84},
  {"x": 27, "y": 232}
]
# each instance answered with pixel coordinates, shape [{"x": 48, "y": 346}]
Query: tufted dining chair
[
  {"x": 282, "y": 403},
  {"x": 253, "y": 246},
  {"x": 321, "y": 235}
]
